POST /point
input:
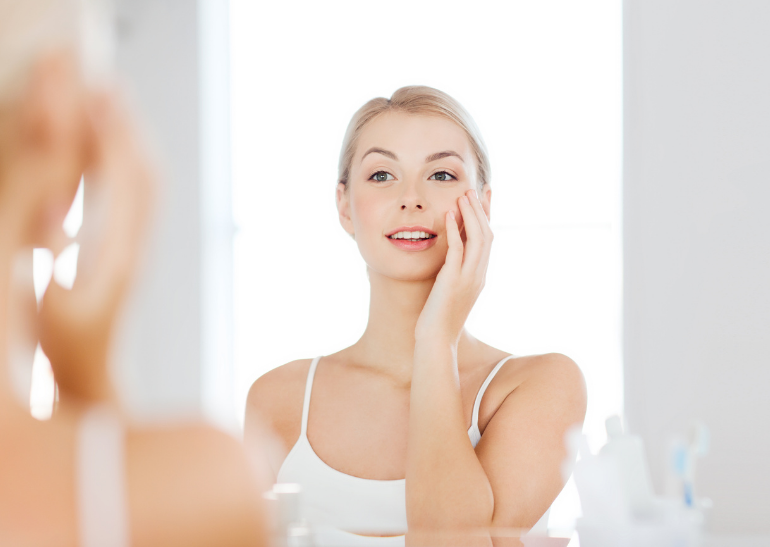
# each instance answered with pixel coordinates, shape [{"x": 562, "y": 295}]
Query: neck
[{"x": 388, "y": 341}]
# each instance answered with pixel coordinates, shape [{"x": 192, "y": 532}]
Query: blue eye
[
  {"x": 442, "y": 176},
  {"x": 382, "y": 176}
]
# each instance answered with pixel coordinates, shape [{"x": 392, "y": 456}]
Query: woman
[
  {"x": 419, "y": 424},
  {"x": 84, "y": 477}
]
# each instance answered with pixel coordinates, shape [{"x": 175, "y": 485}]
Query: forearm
[{"x": 446, "y": 486}]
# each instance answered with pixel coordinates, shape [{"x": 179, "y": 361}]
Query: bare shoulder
[
  {"x": 272, "y": 387},
  {"x": 553, "y": 372},
  {"x": 279, "y": 393},
  {"x": 179, "y": 474},
  {"x": 273, "y": 418},
  {"x": 548, "y": 366},
  {"x": 554, "y": 368},
  {"x": 550, "y": 380}
]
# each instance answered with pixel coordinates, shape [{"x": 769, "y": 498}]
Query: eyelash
[
  {"x": 443, "y": 173},
  {"x": 377, "y": 173},
  {"x": 452, "y": 177}
]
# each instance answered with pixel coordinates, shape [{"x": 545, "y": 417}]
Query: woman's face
[{"x": 408, "y": 171}]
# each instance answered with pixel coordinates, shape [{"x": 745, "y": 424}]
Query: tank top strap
[
  {"x": 101, "y": 479},
  {"x": 308, "y": 391},
  {"x": 482, "y": 389}
]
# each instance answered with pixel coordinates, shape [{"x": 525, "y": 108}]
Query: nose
[{"x": 411, "y": 199}]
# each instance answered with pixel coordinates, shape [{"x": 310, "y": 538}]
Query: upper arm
[
  {"x": 523, "y": 446},
  {"x": 274, "y": 412}
]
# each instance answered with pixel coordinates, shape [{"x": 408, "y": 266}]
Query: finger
[
  {"x": 473, "y": 235},
  {"x": 481, "y": 215},
  {"x": 454, "y": 255},
  {"x": 486, "y": 229}
]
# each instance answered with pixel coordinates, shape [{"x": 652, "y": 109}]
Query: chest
[{"x": 360, "y": 425}]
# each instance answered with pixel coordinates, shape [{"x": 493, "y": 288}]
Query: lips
[
  {"x": 410, "y": 245},
  {"x": 412, "y": 238}
]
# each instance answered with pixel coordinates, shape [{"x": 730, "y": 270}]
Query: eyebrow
[
  {"x": 375, "y": 150},
  {"x": 444, "y": 154},
  {"x": 432, "y": 157}
]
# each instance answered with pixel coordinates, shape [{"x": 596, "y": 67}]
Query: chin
[
  {"x": 401, "y": 266},
  {"x": 427, "y": 272}
]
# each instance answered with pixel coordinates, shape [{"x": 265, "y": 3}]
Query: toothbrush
[{"x": 684, "y": 457}]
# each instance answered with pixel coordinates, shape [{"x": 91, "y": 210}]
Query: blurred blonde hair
[
  {"x": 415, "y": 100},
  {"x": 31, "y": 28}
]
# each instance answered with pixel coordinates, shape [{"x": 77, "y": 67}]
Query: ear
[
  {"x": 343, "y": 208},
  {"x": 486, "y": 200}
]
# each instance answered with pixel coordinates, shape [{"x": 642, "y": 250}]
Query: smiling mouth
[{"x": 412, "y": 236}]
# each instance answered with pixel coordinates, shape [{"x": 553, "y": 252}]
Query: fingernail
[
  {"x": 466, "y": 199},
  {"x": 452, "y": 214},
  {"x": 473, "y": 193}
]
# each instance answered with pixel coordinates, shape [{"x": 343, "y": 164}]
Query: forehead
[{"x": 414, "y": 135}]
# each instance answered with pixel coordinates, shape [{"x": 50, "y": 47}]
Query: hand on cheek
[{"x": 461, "y": 279}]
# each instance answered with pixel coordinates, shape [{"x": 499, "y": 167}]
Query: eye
[
  {"x": 382, "y": 176},
  {"x": 442, "y": 176}
]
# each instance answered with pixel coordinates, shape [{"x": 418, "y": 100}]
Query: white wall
[{"x": 697, "y": 242}]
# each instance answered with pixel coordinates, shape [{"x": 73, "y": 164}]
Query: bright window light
[
  {"x": 64, "y": 270},
  {"x": 42, "y": 271},
  {"x": 43, "y": 392},
  {"x": 542, "y": 80},
  {"x": 74, "y": 219}
]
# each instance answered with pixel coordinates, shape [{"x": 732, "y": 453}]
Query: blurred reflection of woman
[
  {"x": 419, "y": 423},
  {"x": 84, "y": 478}
]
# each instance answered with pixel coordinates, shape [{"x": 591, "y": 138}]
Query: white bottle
[
  {"x": 628, "y": 453},
  {"x": 292, "y": 530}
]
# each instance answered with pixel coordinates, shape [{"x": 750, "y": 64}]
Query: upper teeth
[{"x": 411, "y": 235}]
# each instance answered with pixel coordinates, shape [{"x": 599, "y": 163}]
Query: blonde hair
[
  {"x": 415, "y": 99},
  {"x": 31, "y": 28}
]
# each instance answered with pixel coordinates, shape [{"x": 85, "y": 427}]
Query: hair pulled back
[{"x": 415, "y": 100}]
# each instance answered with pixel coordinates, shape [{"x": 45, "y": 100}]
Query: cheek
[
  {"x": 366, "y": 215},
  {"x": 445, "y": 203}
]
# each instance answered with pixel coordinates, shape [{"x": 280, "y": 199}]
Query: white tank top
[{"x": 337, "y": 505}]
